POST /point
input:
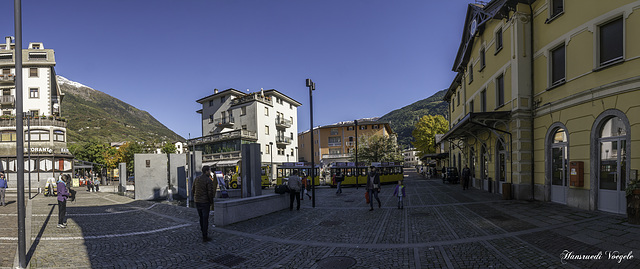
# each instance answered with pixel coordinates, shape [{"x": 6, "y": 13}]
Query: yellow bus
[
  {"x": 235, "y": 184},
  {"x": 286, "y": 169},
  {"x": 389, "y": 172}
]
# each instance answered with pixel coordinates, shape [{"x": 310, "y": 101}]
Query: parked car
[{"x": 452, "y": 175}]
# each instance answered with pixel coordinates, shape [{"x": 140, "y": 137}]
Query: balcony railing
[
  {"x": 221, "y": 156},
  {"x": 244, "y": 134},
  {"x": 336, "y": 156},
  {"x": 282, "y": 122},
  {"x": 334, "y": 144},
  {"x": 8, "y": 100},
  {"x": 283, "y": 140},
  {"x": 224, "y": 122},
  {"x": 250, "y": 98},
  {"x": 57, "y": 122}
]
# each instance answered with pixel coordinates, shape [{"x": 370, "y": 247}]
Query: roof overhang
[{"x": 474, "y": 123}]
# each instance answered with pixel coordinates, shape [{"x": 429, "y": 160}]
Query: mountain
[
  {"x": 403, "y": 120},
  {"x": 93, "y": 114}
]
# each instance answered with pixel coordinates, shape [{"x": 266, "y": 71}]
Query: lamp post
[
  {"x": 22, "y": 247},
  {"x": 312, "y": 87},
  {"x": 357, "y": 171},
  {"x": 271, "y": 165}
]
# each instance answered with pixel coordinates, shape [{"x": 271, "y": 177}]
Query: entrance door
[
  {"x": 613, "y": 159},
  {"x": 559, "y": 174}
]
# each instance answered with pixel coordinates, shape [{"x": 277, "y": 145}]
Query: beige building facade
[{"x": 544, "y": 103}]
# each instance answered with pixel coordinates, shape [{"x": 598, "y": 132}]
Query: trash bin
[{"x": 506, "y": 191}]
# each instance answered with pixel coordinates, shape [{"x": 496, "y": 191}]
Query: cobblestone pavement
[{"x": 441, "y": 226}]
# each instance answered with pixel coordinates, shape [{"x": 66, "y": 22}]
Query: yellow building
[
  {"x": 336, "y": 142},
  {"x": 545, "y": 100}
]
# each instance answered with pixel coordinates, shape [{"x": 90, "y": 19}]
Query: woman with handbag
[{"x": 373, "y": 186}]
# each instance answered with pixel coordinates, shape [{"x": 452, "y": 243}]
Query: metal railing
[
  {"x": 282, "y": 122},
  {"x": 223, "y": 136},
  {"x": 250, "y": 98},
  {"x": 35, "y": 122},
  {"x": 283, "y": 140},
  {"x": 7, "y": 100},
  {"x": 224, "y": 121}
]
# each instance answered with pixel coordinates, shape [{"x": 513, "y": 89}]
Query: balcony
[
  {"x": 283, "y": 123},
  {"x": 226, "y": 122},
  {"x": 243, "y": 134},
  {"x": 336, "y": 156},
  {"x": 250, "y": 98},
  {"x": 48, "y": 121},
  {"x": 232, "y": 155},
  {"x": 283, "y": 140},
  {"x": 8, "y": 100},
  {"x": 7, "y": 79}
]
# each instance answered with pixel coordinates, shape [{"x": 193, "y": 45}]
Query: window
[
  {"x": 483, "y": 59},
  {"x": 266, "y": 129},
  {"x": 363, "y": 127},
  {"x": 266, "y": 111},
  {"x": 222, "y": 99},
  {"x": 33, "y": 72},
  {"x": 211, "y": 118},
  {"x": 500, "y": 91},
  {"x": 471, "y": 106},
  {"x": 458, "y": 99},
  {"x": 334, "y": 131},
  {"x": 8, "y": 136},
  {"x": 6, "y": 56},
  {"x": 377, "y": 126},
  {"x": 58, "y": 136},
  {"x": 280, "y": 151},
  {"x": 483, "y": 101},
  {"x": 557, "y": 8},
  {"x": 38, "y": 55},
  {"x": 498, "y": 40},
  {"x": 34, "y": 93},
  {"x": 34, "y": 112},
  {"x": 558, "y": 66},
  {"x": 610, "y": 49},
  {"x": 291, "y": 135},
  {"x": 335, "y": 151},
  {"x": 335, "y": 141},
  {"x": 210, "y": 102},
  {"x": 243, "y": 111},
  {"x": 350, "y": 128},
  {"x": 244, "y": 127},
  {"x": 266, "y": 149},
  {"x": 37, "y": 135},
  {"x": 470, "y": 75},
  {"x": 6, "y": 71}
]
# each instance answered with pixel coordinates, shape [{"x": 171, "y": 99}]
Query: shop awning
[
  {"x": 227, "y": 163},
  {"x": 210, "y": 164}
]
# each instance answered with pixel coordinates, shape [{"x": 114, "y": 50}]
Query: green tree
[
  {"x": 426, "y": 130},
  {"x": 127, "y": 152},
  {"x": 378, "y": 148},
  {"x": 92, "y": 151},
  {"x": 169, "y": 148}
]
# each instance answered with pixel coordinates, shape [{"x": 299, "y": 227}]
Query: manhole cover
[
  {"x": 336, "y": 262},
  {"x": 330, "y": 223},
  {"x": 228, "y": 260}
]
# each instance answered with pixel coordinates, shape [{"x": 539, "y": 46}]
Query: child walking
[{"x": 399, "y": 191}]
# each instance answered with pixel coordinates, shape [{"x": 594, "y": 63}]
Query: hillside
[
  {"x": 92, "y": 114},
  {"x": 403, "y": 120}
]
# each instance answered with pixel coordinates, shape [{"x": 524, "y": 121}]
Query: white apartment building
[
  {"x": 411, "y": 157},
  {"x": 231, "y": 118},
  {"x": 43, "y": 126}
]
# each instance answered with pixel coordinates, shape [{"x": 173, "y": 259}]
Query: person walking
[
  {"x": 399, "y": 191},
  {"x": 295, "y": 185},
  {"x": 466, "y": 174},
  {"x": 3, "y": 188},
  {"x": 339, "y": 179},
  {"x": 203, "y": 192},
  {"x": 63, "y": 194},
  {"x": 373, "y": 186}
]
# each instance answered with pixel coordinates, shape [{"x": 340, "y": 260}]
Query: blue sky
[{"x": 367, "y": 57}]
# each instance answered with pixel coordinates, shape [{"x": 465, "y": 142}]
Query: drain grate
[
  {"x": 330, "y": 223},
  {"x": 228, "y": 260},
  {"x": 336, "y": 262}
]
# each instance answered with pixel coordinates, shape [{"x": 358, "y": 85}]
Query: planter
[{"x": 633, "y": 208}]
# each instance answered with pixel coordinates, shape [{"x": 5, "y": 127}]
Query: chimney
[
  {"x": 215, "y": 91},
  {"x": 8, "y": 41}
]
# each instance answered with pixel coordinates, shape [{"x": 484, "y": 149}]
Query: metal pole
[
  {"x": 271, "y": 165},
  {"x": 29, "y": 148},
  {"x": 312, "y": 86},
  {"x": 357, "y": 171},
  {"x": 17, "y": 55}
]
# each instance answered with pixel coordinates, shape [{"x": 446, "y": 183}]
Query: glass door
[
  {"x": 559, "y": 175},
  {"x": 612, "y": 175}
]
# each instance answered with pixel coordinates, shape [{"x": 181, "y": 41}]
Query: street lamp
[{"x": 312, "y": 87}]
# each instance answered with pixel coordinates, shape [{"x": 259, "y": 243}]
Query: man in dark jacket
[
  {"x": 204, "y": 189},
  {"x": 466, "y": 174},
  {"x": 373, "y": 186}
]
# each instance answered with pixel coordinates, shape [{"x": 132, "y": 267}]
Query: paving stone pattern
[{"x": 441, "y": 226}]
